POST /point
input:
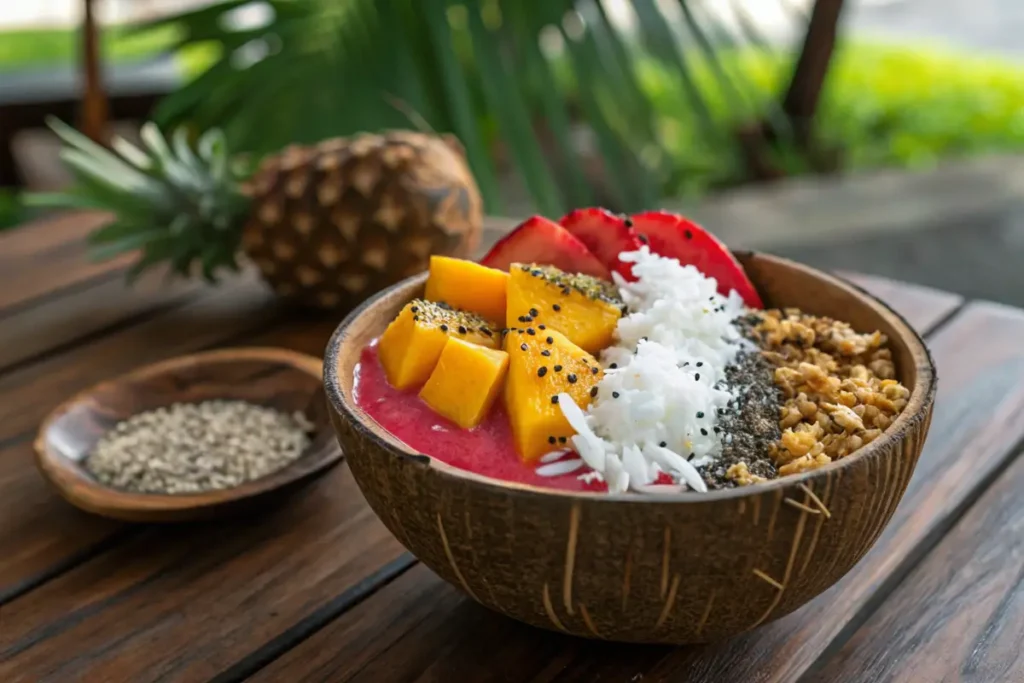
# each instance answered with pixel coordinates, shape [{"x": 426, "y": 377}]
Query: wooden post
[
  {"x": 801, "y": 100},
  {"x": 94, "y": 100}
]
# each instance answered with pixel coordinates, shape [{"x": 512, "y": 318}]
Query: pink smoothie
[{"x": 486, "y": 449}]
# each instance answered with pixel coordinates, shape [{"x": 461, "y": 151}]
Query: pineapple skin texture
[{"x": 333, "y": 223}]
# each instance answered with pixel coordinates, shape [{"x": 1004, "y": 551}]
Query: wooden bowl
[
  {"x": 682, "y": 568},
  {"x": 277, "y": 378}
]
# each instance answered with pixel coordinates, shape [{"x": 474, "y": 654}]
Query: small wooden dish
[
  {"x": 277, "y": 378},
  {"x": 682, "y": 568}
]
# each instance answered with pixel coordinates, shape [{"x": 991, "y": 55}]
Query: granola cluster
[{"x": 839, "y": 387}]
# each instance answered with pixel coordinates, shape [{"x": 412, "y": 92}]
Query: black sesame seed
[
  {"x": 523, "y": 319},
  {"x": 541, "y": 327},
  {"x": 486, "y": 331},
  {"x": 613, "y": 366},
  {"x": 690, "y": 456},
  {"x": 554, "y": 399},
  {"x": 530, "y": 330},
  {"x": 615, "y": 394},
  {"x": 523, "y": 347},
  {"x": 541, "y": 371},
  {"x": 571, "y": 377},
  {"x": 551, "y": 439},
  {"x": 593, "y": 392},
  {"x": 700, "y": 364},
  {"x": 700, "y": 414},
  {"x": 415, "y": 318},
  {"x": 562, "y": 439},
  {"x": 689, "y": 234},
  {"x": 444, "y": 328},
  {"x": 556, "y": 307},
  {"x": 534, "y": 312},
  {"x": 642, "y": 238},
  {"x": 594, "y": 370},
  {"x": 545, "y": 352},
  {"x": 717, "y": 430},
  {"x": 663, "y": 444},
  {"x": 558, "y": 368},
  {"x": 567, "y": 291},
  {"x": 643, "y": 338},
  {"x": 550, "y": 340},
  {"x": 703, "y": 432},
  {"x": 415, "y": 309},
  {"x": 462, "y": 329},
  {"x": 628, "y": 222},
  {"x": 696, "y": 377}
]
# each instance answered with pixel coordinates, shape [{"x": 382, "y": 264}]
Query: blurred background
[{"x": 884, "y": 136}]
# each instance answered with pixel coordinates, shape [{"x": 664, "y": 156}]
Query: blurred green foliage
[
  {"x": 883, "y": 106},
  {"x": 32, "y": 48}
]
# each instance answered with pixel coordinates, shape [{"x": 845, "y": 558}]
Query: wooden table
[{"x": 318, "y": 590}]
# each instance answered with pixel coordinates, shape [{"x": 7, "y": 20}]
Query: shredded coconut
[{"x": 657, "y": 404}]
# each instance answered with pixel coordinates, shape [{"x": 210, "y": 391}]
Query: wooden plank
[
  {"x": 57, "y": 321},
  {"x": 27, "y": 394},
  {"x": 961, "y": 610},
  {"x": 39, "y": 533},
  {"x": 207, "y": 594},
  {"x": 48, "y": 256},
  {"x": 980, "y": 411},
  {"x": 922, "y": 307}
]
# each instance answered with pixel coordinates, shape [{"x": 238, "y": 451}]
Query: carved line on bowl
[
  {"x": 570, "y": 556},
  {"x": 821, "y": 520},
  {"x": 797, "y": 535},
  {"x": 669, "y": 603}
]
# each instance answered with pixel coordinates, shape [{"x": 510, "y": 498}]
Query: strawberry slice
[
  {"x": 544, "y": 242},
  {"x": 671, "y": 235},
  {"x": 606, "y": 236}
]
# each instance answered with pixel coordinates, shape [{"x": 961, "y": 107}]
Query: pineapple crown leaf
[{"x": 172, "y": 201}]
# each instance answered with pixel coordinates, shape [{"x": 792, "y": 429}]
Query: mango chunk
[
  {"x": 465, "y": 382},
  {"x": 468, "y": 286},
  {"x": 413, "y": 342},
  {"x": 583, "y": 308},
  {"x": 534, "y": 382}
]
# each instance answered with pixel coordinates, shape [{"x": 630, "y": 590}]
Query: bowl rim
[
  {"x": 82, "y": 490},
  {"x": 921, "y": 399}
]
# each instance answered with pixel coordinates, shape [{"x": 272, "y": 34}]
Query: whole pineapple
[{"x": 326, "y": 225}]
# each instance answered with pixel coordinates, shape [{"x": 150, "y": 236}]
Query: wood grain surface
[
  {"x": 318, "y": 590},
  {"x": 960, "y": 614},
  {"x": 49, "y": 256}
]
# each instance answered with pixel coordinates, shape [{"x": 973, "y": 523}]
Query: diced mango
[
  {"x": 535, "y": 380},
  {"x": 465, "y": 382},
  {"x": 583, "y": 308},
  {"x": 412, "y": 343},
  {"x": 468, "y": 286}
]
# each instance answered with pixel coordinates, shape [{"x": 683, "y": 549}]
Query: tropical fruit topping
[
  {"x": 412, "y": 343},
  {"x": 465, "y": 382},
  {"x": 605, "y": 234},
  {"x": 673, "y": 236},
  {"x": 468, "y": 286},
  {"x": 539, "y": 240},
  {"x": 543, "y": 364},
  {"x": 583, "y": 308}
]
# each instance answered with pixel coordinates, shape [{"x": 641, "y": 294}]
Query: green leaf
[
  {"x": 464, "y": 119},
  {"x": 502, "y": 92}
]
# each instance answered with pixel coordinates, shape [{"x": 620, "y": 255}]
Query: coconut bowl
[{"x": 679, "y": 568}]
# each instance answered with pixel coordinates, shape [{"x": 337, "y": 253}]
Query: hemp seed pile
[{"x": 194, "y": 447}]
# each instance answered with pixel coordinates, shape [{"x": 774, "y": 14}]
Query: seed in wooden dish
[{"x": 194, "y": 447}]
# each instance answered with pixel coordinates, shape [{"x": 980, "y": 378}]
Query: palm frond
[{"x": 551, "y": 90}]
